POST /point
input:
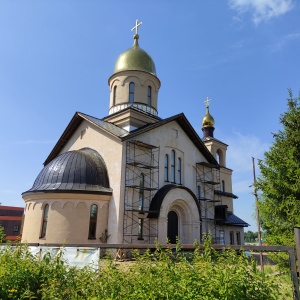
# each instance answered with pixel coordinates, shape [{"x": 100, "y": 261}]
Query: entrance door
[{"x": 172, "y": 227}]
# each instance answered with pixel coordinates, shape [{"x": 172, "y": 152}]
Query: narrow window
[
  {"x": 93, "y": 221},
  {"x": 199, "y": 191},
  {"x": 45, "y": 221},
  {"x": 166, "y": 167},
  {"x": 131, "y": 92},
  {"x": 231, "y": 238},
  {"x": 115, "y": 95},
  {"x": 172, "y": 166},
  {"x": 218, "y": 157},
  {"x": 149, "y": 96},
  {"x": 140, "y": 232},
  {"x": 179, "y": 170},
  {"x": 222, "y": 241},
  {"x": 16, "y": 228},
  {"x": 223, "y": 186},
  {"x": 238, "y": 237},
  {"x": 141, "y": 192}
]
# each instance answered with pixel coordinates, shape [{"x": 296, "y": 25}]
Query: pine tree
[{"x": 279, "y": 181}]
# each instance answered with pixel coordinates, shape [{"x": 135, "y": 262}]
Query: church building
[{"x": 133, "y": 177}]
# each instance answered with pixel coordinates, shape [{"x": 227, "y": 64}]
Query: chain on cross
[{"x": 137, "y": 24}]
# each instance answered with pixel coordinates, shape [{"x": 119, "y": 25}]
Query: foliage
[
  {"x": 2, "y": 235},
  {"x": 160, "y": 274},
  {"x": 279, "y": 181},
  {"x": 251, "y": 237}
]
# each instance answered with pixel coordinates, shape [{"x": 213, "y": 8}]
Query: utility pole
[{"x": 257, "y": 216}]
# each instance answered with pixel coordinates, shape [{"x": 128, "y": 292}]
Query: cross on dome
[
  {"x": 207, "y": 101},
  {"x": 137, "y": 24}
]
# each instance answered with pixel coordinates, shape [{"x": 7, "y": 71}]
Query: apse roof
[{"x": 80, "y": 171}]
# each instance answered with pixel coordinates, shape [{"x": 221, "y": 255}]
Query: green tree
[
  {"x": 2, "y": 235},
  {"x": 279, "y": 182},
  {"x": 251, "y": 237}
]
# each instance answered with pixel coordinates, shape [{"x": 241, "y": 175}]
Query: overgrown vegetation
[{"x": 162, "y": 274}]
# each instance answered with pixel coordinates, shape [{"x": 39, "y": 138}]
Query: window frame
[
  {"x": 131, "y": 92},
  {"x": 93, "y": 222},
  {"x": 149, "y": 96},
  {"x": 141, "y": 192},
  {"x": 179, "y": 170},
  {"x": 44, "y": 221},
  {"x": 115, "y": 95},
  {"x": 172, "y": 169},
  {"x": 166, "y": 174}
]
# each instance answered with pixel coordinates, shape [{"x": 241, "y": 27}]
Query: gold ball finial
[{"x": 208, "y": 120}]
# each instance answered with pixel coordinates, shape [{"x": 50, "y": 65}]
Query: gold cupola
[
  {"x": 208, "y": 122},
  {"x": 134, "y": 88},
  {"x": 135, "y": 59}
]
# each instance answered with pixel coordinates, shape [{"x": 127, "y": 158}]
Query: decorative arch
[
  {"x": 183, "y": 201},
  {"x": 134, "y": 79},
  {"x": 115, "y": 82},
  {"x": 150, "y": 83}
]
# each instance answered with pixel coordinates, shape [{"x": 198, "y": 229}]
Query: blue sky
[{"x": 56, "y": 58}]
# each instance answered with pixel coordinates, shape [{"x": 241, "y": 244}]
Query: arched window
[
  {"x": 115, "y": 95},
  {"x": 173, "y": 166},
  {"x": 93, "y": 221},
  {"x": 141, "y": 192},
  {"x": 179, "y": 170},
  {"x": 149, "y": 96},
  {"x": 131, "y": 92},
  {"x": 45, "y": 221},
  {"x": 166, "y": 167}
]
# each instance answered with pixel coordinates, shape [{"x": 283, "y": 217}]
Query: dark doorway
[{"x": 172, "y": 227}]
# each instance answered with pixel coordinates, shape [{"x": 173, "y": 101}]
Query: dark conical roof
[{"x": 79, "y": 171}]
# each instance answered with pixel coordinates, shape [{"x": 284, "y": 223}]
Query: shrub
[{"x": 162, "y": 274}]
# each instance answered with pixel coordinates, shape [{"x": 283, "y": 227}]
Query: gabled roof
[
  {"x": 123, "y": 134},
  {"x": 74, "y": 124},
  {"x": 187, "y": 128}
]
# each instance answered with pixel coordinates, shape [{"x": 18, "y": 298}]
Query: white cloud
[{"x": 261, "y": 10}]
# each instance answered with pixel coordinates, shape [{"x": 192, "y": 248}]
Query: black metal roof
[
  {"x": 79, "y": 171},
  {"x": 233, "y": 220},
  {"x": 123, "y": 134},
  {"x": 158, "y": 198},
  {"x": 226, "y": 194}
]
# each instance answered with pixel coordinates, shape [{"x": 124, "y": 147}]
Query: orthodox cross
[
  {"x": 207, "y": 102},
  {"x": 137, "y": 24}
]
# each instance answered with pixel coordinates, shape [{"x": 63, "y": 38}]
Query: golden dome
[
  {"x": 135, "y": 59},
  {"x": 208, "y": 120}
]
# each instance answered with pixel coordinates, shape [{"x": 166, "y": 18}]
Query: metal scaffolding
[
  {"x": 207, "y": 181},
  {"x": 141, "y": 183}
]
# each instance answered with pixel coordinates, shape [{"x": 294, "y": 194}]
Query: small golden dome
[
  {"x": 208, "y": 120},
  {"x": 135, "y": 59}
]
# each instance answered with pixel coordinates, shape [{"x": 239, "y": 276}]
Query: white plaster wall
[
  {"x": 68, "y": 217},
  {"x": 110, "y": 148},
  {"x": 141, "y": 80}
]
